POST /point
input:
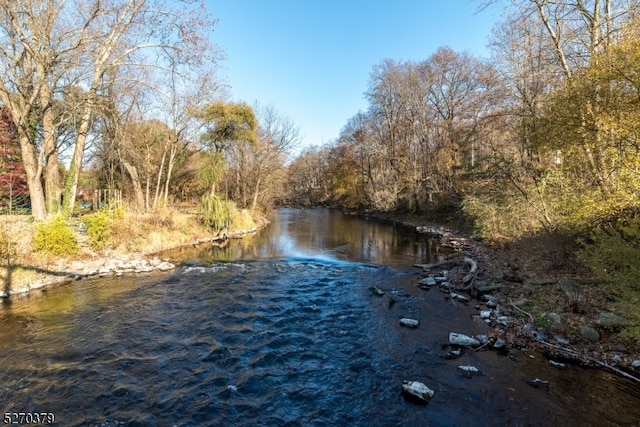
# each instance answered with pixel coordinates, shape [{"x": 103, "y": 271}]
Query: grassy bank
[{"x": 41, "y": 252}]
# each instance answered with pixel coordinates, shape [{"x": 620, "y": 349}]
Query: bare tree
[{"x": 56, "y": 44}]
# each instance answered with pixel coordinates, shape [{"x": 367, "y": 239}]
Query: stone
[
  {"x": 486, "y": 287},
  {"x": 409, "y": 323},
  {"x": 611, "y": 321},
  {"x": 554, "y": 319},
  {"x": 499, "y": 344},
  {"x": 462, "y": 340},
  {"x": 417, "y": 391},
  {"x": 468, "y": 371},
  {"x": 429, "y": 281},
  {"x": 458, "y": 297},
  {"x": 589, "y": 334},
  {"x": 503, "y": 320},
  {"x": 165, "y": 266},
  {"x": 557, "y": 365},
  {"x": 144, "y": 269},
  {"x": 635, "y": 364},
  {"x": 484, "y": 339},
  {"x": 561, "y": 340},
  {"x": 486, "y": 314},
  {"x": 377, "y": 291},
  {"x": 619, "y": 348},
  {"x": 541, "y": 335}
]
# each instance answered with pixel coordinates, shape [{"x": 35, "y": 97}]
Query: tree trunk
[
  {"x": 255, "y": 194},
  {"x": 49, "y": 150},
  {"x": 71, "y": 182},
  {"x": 138, "y": 195},
  {"x": 36, "y": 190},
  {"x": 159, "y": 180},
  {"x": 172, "y": 159}
]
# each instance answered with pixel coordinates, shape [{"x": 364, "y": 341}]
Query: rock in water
[
  {"x": 462, "y": 340},
  {"x": 417, "y": 391},
  {"x": 377, "y": 291},
  {"x": 468, "y": 371},
  {"x": 409, "y": 323}
]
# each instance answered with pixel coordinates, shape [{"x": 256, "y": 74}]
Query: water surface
[{"x": 281, "y": 328}]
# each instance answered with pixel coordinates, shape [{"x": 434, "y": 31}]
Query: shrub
[
  {"x": 54, "y": 237},
  {"x": 98, "y": 228}
]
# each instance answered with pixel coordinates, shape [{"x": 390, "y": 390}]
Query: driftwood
[
  {"x": 521, "y": 310},
  {"x": 473, "y": 270}
]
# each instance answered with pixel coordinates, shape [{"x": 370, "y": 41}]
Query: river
[{"x": 281, "y": 329}]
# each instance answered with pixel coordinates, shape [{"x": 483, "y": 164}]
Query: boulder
[
  {"x": 611, "y": 322},
  {"x": 417, "y": 391}
]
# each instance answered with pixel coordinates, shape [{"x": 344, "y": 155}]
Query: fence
[
  {"x": 107, "y": 199},
  {"x": 19, "y": 204}
]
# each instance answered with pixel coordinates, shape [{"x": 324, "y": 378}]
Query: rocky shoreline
[
  {"x": 93, "y": 264},
  {"x": 474, "y": 275}
]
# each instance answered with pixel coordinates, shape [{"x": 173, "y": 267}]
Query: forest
[{"x": 541, "y": 138}]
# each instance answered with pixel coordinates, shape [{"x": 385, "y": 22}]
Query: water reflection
[{"x": 326, "y": 234}]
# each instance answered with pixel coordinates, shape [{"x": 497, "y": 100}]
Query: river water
[{"x": 281, "y": 329}]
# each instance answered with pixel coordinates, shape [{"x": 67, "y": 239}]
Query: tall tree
[{"x": 225, "y": 124}]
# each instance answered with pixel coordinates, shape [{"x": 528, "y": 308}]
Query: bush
[
  {"x": 54, "y": 237},
  {"x": 101, "y": 225},
  {"x": 98, "y": 228}
]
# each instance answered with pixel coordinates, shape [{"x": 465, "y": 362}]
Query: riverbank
[
  {"x": 546, "y": 301},
  {"x": 136, "y": 252}
]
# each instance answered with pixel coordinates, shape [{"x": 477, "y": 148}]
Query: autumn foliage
[{"x": 13, "y": 180}]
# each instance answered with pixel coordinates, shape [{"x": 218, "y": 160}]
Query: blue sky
[{"x": 311, "y": 59}]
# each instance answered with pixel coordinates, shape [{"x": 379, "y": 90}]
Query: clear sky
[{"x": 311, "y": 59}]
